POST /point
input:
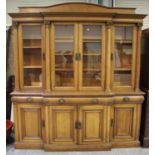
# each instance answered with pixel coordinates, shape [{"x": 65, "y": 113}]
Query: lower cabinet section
[{"x": 76, "y": 127}]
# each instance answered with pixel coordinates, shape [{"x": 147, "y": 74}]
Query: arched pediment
[{"x": 77, "y": 7}]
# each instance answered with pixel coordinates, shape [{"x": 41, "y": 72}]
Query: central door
[{"x": 78, "y": 53}]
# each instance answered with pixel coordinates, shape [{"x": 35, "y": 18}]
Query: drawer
[
  {"x": 27, "y": 99},
  {"x": 138, "y": 99},
  {"x": 78, "y": 101}
]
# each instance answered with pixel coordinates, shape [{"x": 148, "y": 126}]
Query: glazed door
[
  {"x": 92, "y": 124},
  {"x": 63, "y": 49},
  {"x": 123, "y": 122},
  {"x": 123, "y": 64},
  {"x": 62, "y": 124},
  {"x": 92, "y": 51},
  {"x": 30, "y": 123},
  {"x": 30, "y": 56}
]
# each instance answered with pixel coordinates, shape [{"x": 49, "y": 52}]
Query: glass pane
[
  {"x": 92, "y": 78},
  {"x": 64, "y": 78},
  {"x": 122, "y": 78},
  {"x": 123, "y": 55},
  {"x": 32, "y": 56},
  {"x": 64, "y": 52},
  {"x": 32, "y": 77},
  {"x": 92, "y": 49}
]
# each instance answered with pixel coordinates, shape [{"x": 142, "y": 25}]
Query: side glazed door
[
  {"x": 123, "y": 62},
  {"x": 30, "y": 56}
]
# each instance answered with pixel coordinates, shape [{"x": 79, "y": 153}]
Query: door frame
[
  {"x": 103, "y": 49},
  {"x": 52, "y": 56}
]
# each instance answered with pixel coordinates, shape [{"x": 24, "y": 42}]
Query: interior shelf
[
  {"x": 123, "y": 41},
  {"x": 64, "y": 69},
  {"x": 33, "y": 67},
  {"x": 122, "y": 69},
  {"x": 29, "y": 47},
  {"x": 91, "y": 69},
  {"x": 92, "y": 54},
  {"x": 64, "y": 40}
]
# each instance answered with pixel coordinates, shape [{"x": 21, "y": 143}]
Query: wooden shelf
[
  {"x": 122, "y": 69},
  {"x": 64, "y": 41},
  {"x": 123, "y": 41},
  {"x": 92, "y": 38},
  {"x": 29, "y": 47},
  {"x": 64, "y": 38},
  {"x": 92, "y": 54},
  {"x": 64, "y": 69},
  {"x": 61, "y": 54},
  {"x": 91, "y": 69},
  {"x": 32, "y": 67}
]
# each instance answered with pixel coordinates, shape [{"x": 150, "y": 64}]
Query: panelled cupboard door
[
  {"x": 30, "y": 56},
  {"x": 123, "y": 59},
  {"x": 62, "y": 124},
  {"x": 92, "y": 127},
  {"x": 91, "y": 56},
  {"x": 30, "y": 123},
  {"x": 123, "y": 122},
  {"x": 63, "y": 50}
]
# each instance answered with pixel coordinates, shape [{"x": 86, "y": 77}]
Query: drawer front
[
  {"x": 63, "y": 101},
  {"x": 27, "y": 99},
  {"x": 123, "y": 99}
]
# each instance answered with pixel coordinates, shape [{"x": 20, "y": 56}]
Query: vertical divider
[
  {"x": 47, "y": 52},
  {"x": 52, "y": 56},
  {"x": 16, "y": 54},
  {"x": 108, "y": 55},
  {"x": 80, "y": 51}
]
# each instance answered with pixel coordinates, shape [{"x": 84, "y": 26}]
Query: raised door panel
[
  {"x": 124, "y": 122},
  {"x": 30, "y": 123},
  {"x": 62, "y": 124},
  {"x": 92, "y": 119}
]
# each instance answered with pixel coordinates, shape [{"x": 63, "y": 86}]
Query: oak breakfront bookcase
[{"x": 77, "y": 70}]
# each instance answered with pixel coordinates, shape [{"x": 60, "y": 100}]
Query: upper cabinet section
[{"x": 77, "y": 47}]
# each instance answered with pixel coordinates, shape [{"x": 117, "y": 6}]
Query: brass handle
[
  {"x": 78, "y": 125},
  {"x": 126, "y": 99},
  {"x": 94, "y": 101},
  {"x": 112, "y": 123},
  {"x": 78, "y": 56},
  {"x": 61, "y": 101},
  {"x": 29, "y": 99}
]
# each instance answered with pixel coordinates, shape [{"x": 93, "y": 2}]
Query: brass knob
[
  {"x": 126, "y": 99},
  {"x": 61, "y": 101},
  {"x": 94, "y": 101},
  {"x": 29, "y": 99}
]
